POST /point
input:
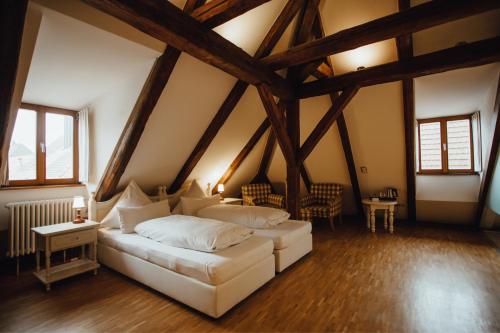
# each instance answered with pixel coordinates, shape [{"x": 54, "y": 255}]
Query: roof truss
[{"x": 411, "y": 20}]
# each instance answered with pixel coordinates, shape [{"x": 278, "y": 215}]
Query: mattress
[
  {"x": 286, "y": 233},
  {"x": 211, "y": 268}
]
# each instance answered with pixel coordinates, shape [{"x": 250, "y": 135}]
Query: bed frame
[{"x": 209, "y": 299}]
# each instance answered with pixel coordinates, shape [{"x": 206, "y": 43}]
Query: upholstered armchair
[
  {"x": 324, "y": 200},
  {"x": 260, "y": 195}
]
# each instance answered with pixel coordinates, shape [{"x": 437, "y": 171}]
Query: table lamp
[
  {"x": 220, "y": 189},
  {"x": 78, "y": 204}
]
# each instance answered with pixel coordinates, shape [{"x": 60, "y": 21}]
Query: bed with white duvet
[
  {"x": 292, "y": 239},
  {"x": 208, "y": 279}
]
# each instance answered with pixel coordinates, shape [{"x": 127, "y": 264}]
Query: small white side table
[
  {"x": 57, "y": 237},
  {"x": 386, "y": 206}
]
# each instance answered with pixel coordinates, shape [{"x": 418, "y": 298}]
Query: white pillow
[
  {"x": 194, "y": 191},
  {"x": 132, "y": 216},
  {"x": 131, "y": 197},
  {"x": 191, "y": 206},
  {"x": 175, "y": 198},
  {"x": 256, "y": 217}
]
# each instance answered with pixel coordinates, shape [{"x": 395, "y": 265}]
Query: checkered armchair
[
  {"x": 325, "y": 201},
  {"x": 260, "y": 195}
]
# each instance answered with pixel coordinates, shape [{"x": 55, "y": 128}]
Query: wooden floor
[{"x": 418, "y": 280}]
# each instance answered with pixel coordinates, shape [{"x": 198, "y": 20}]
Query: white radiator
[{"x": 25, "y": 215}]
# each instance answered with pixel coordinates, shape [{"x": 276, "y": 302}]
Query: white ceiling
[
  {"x": 456, "y": 92},
  {"x": 75, "y": 63}
]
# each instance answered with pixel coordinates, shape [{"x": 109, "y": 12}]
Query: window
[
  {"x": 445, "y": 145},
  {"x": 44, "y": 146}
]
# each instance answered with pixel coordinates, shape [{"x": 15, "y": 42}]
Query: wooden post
[{"x": 293, "y": 169}]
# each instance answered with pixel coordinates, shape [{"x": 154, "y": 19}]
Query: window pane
[
  {"x": 22, "y": 151},
  {"x": 59, "y": 142},
  {"x": 459, "y": 151},
  {"x": 430, "y": 146}
]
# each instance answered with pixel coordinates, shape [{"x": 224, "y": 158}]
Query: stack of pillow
[{"x": 134, "y": 206}]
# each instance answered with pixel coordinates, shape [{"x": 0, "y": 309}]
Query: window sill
[
  {"x": 448, "y": 174},
  {"x": 39, "y": 187}
]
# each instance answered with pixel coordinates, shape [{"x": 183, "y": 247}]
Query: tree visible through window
[
  {"x": 44, "y": 146},
  {"x": 445, "y": 145}
]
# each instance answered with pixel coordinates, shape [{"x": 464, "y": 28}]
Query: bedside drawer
[{"x": 73, "y": 239}]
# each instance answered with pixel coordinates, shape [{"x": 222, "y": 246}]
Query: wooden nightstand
[{"x": 63, "y": 236}]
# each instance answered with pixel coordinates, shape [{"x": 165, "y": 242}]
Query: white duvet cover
[
  {"x": 193, "y": 233},
  {"x": 255, "y": 217}
]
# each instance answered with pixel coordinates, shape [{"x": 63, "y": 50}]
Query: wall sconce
[{"x": 220, "y": 189}]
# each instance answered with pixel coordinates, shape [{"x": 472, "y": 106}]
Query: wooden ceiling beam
[
  {"x": 462, "y": 56},
  {"x": 146, "y": 101},
  {"x": 272, "y": 37},
  {"x": 243, "y": 154},
  {"x": 417, "y": 18},
  {"x": 491, "y": 162},
  {"x": 405, "y": 51},
  {"x": 12, "y": 16},
  {"x": 217, "y": 12},
  {"x": 327, "y": 121},
  {"x": 278, "y": 121},
  {"x": 265, "y": 162},
  {"x": 164, "y": 21}
]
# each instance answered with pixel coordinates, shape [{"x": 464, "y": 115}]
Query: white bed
[
  {"x": 210, "y": 282},
  {"x": 292, "y": 239}
]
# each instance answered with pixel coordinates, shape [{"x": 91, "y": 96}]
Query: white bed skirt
[
  {"x": 287, "y": 256},
  {"x": 211, "y": 300}
]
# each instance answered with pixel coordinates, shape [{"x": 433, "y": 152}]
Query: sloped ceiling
[
  {"x": 195, "y": 91},
  {"x": 75, "y": 63}
]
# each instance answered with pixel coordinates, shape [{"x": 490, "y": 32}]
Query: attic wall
[
  {"x": 107, "y": 118},
  {"x": 192, "y": 96},
  {"x": 374, "y": 118},
  {"x": 453, "y": 199},
  {"x": 31, "y": 26}
]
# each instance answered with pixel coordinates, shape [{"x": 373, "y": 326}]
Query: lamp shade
[
  {"x": 220, "y": 188},
  {"x": 78, "y": 202}
]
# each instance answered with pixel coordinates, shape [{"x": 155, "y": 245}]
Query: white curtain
[
  {"x": 83, "y": 144},
  {"x": 476, "y": 141}
]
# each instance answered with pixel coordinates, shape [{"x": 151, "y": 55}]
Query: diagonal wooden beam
[
  {"x": 278, "y": 122},
  {"x": 287, "y": 14},
  {"x": 351, "y": 166},
  {"x": 213, "y": 128},
  {"x": 462, "y": 56},
  {"x": 491, "y": 162},
  {"x": 12, "y": 16},
  {"x": 326, "y": 122},
  {"x": 243, "y": 154},
  {"x": 150, "y": 93},
  {"x": 417, "y": 18},
  {"x": 164, "y": 21},
  {"x": 266, "y": 156},
  {"x": 216, "y": 12},
  {"x": 405, "y": 51}
]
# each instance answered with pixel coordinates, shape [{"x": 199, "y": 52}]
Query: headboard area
[{"x": 98, "y": 210}]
